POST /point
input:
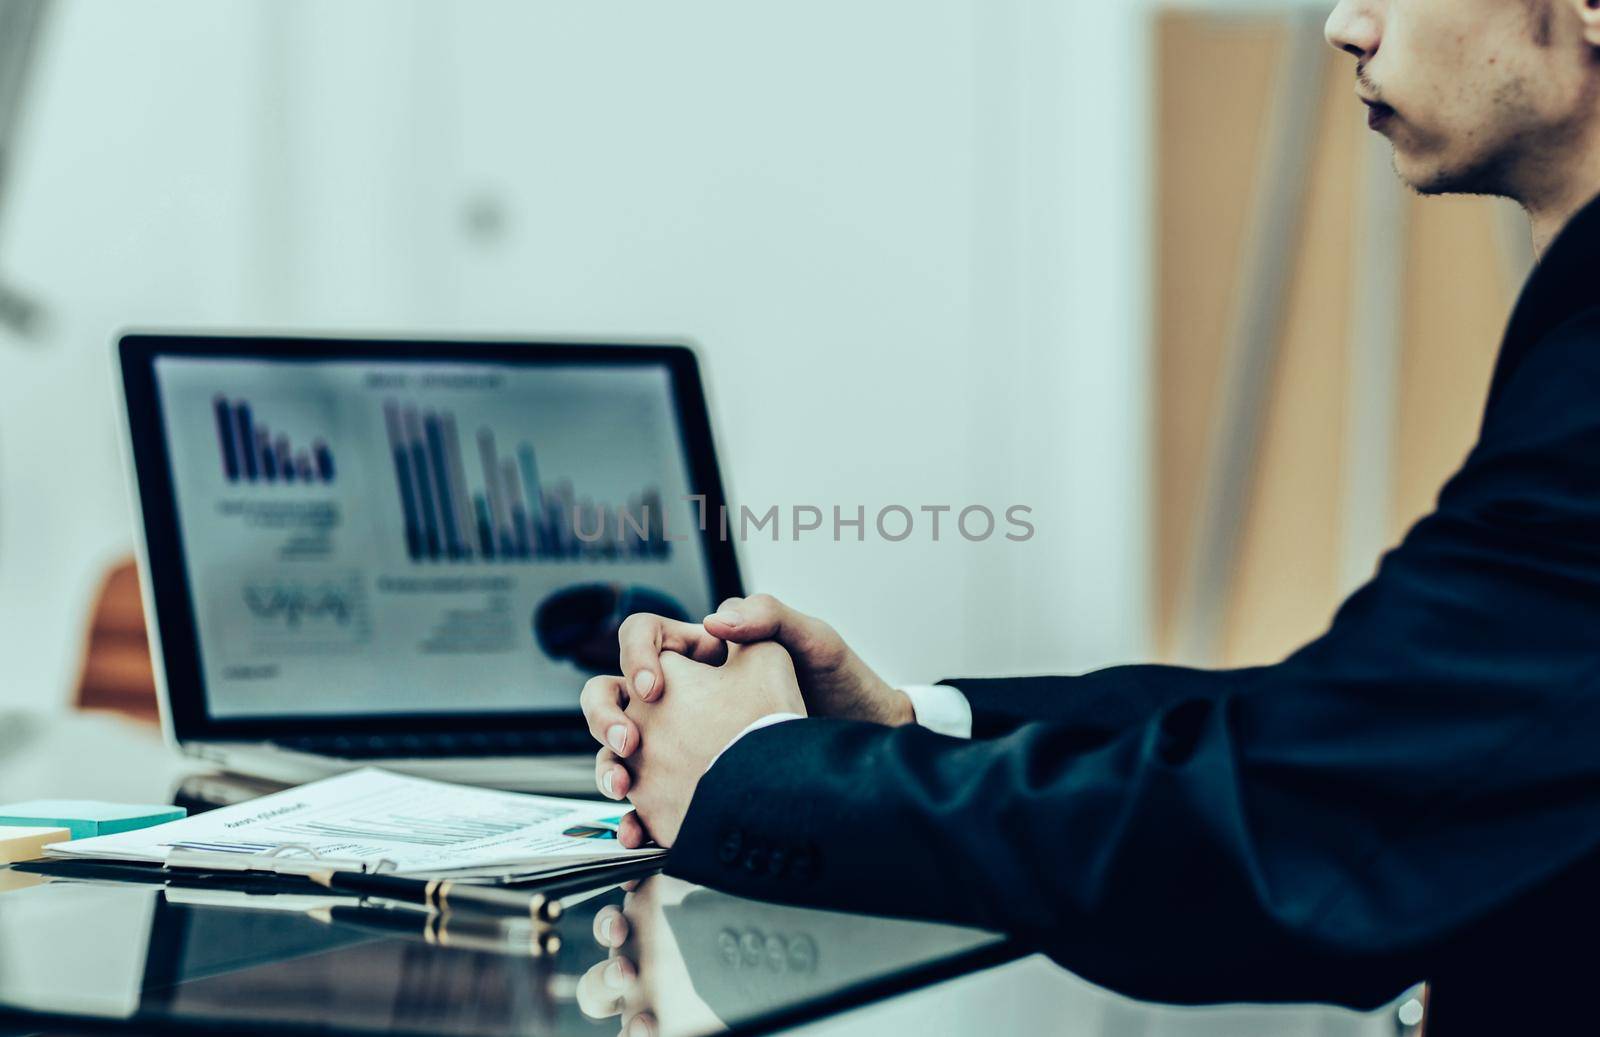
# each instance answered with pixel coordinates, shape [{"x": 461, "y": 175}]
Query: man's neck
[
  {"x": 1555, "y": 202},
  {"x": 1547, "y": 220}
]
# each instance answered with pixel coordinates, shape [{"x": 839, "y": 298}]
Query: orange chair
[{"x": 117, "y": 672}]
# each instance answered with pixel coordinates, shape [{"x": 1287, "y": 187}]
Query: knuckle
[
  {"x": 637, "y": 626},
  {"x": 770, "y": 653}
]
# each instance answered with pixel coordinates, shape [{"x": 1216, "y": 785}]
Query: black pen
[
  {"x": 443, "y": 894},
  {"x": 443, "y": 931},
  {"x": 79, "y": 870}
]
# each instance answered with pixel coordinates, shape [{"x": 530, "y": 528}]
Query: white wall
[
  {"x": 130, "y": 201},
  {"x": 909, "y": 236}
]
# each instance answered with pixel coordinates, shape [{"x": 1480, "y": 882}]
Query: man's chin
[
  {"x": 1430, "y": 177},
  {"x": 1425, "y": 178}
]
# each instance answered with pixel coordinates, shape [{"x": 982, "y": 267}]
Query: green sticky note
[{"x": 85, "y": 818}]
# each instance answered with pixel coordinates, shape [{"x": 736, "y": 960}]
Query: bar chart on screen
[
  {"x": 252, "y": 452},
  {"x": 488, "y": 502}
]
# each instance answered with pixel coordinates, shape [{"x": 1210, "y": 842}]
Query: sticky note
[
  {"x": 84, "y": 818},
  {"x": 27, "y": 844}
]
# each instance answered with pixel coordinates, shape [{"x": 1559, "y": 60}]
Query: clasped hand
[{"x": 690, "y": 688}]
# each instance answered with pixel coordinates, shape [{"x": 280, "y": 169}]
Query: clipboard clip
[{"x": 283, "y": 859}]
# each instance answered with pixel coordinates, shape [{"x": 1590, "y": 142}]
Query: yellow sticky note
[{"x": 27, "y": 844}]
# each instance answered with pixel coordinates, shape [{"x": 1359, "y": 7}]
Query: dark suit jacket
[{"x": 1394, "y": 801}]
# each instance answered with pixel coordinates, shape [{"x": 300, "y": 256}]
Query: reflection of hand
[
  {"x": 643, "y": 979},
  {"x": 680, "y": 733}
]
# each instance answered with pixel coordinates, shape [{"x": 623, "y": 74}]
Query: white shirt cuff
[{"x": 941, "y": 709}]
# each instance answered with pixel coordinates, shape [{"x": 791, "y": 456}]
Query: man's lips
[{"x": 1377, "y": 112}]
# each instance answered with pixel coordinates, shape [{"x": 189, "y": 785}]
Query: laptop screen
[{"x": 368, "y": 536}]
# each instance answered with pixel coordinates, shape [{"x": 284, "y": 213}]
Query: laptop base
[{"x": 566, "y": 774}]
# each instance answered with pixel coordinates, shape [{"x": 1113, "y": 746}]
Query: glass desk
[{"x": 78, "y": 955}]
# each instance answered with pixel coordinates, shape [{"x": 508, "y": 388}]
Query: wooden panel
[
  {"x": 1287, "y": 581},
  {"x": 1458, "y": 300},
  {"x": 1215, "y": 74},
  {"x": 1215, "y": 82}
]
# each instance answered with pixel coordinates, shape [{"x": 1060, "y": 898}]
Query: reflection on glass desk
[{"x": 699, "y": 962}]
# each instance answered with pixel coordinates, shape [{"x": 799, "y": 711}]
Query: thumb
[
  {"x": 813, "y": 644},
  {"x": 760, "y": 617}
]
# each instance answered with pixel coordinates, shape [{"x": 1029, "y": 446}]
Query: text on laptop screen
[{"x": 390, "y": 537}]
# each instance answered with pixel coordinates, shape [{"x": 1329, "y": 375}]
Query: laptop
[{"x": 408, "y": 553}]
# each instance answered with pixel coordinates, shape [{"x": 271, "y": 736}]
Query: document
[{"x": 428, "y": 829}]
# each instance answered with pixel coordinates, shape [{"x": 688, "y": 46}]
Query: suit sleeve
[
  {"x": 1096, "y": 703},
  {"x": 1309, "y": 830}
]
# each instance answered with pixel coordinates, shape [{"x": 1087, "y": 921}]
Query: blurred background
[{"x": 1137, "y": 266}]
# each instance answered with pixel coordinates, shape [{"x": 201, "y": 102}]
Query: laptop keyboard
[{"x": 413, "y": 746}]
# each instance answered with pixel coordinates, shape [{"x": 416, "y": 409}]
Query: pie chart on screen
[{"x": 579, "y": 624}]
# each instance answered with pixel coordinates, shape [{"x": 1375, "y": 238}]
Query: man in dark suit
[{"x": 1413, "y": 795}]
